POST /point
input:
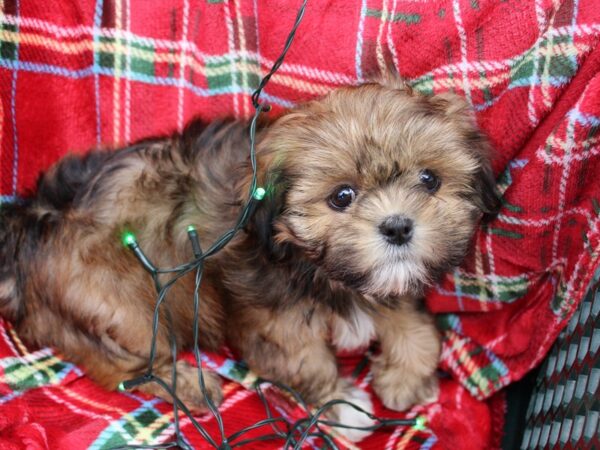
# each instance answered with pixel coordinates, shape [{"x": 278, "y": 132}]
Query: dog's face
[{"x": 380, "y": 187}]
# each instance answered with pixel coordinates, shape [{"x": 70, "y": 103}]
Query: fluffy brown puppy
[{"x": 372, "y": 193}]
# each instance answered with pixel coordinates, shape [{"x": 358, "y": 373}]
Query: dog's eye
[
  {"x": 430, "y": 180},
  {"x": 342, "y": 197}
]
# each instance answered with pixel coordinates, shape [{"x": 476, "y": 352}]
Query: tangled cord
[{"x": 294, "y": 434}]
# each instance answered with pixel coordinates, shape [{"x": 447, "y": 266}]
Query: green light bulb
[
  {"x": 128, "y": 238},
  {"x": 420, "y": 423},
  {"x": 191, "y": 228},
  {"x": 259, "y": 193},
  {"x": 121, "y": 387}
]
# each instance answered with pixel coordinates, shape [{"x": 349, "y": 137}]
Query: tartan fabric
[
  {"x": 564, "y": 410},
  {"x": 74, "y": 75}
]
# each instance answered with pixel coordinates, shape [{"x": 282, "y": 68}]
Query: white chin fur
[
  {"x": 397, "y": 278},
  {"x": 347, "y": 415}
]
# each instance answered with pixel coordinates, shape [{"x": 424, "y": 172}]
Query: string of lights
[{"x": 293, "y": 435}]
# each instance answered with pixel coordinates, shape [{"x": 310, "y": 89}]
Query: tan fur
[
  {"x": 297, "y": 269},
  {"x": 410, "y": 349}
]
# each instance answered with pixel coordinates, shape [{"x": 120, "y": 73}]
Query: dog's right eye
[
  {"x": 342, "y": 197},
  {"x": 430, "y": 180}
]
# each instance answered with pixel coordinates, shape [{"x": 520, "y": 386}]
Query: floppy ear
[
  {"x": 266, "y": 213},
  {"x": 487, "y": 195},
  {"x": 268, "y": 222},
  {"x": 487, "y": 198}
]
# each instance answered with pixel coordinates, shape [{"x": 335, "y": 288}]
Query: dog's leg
[
  {"x": 120, "y": 353},
  {"x": 110, "y": 368},
  {"x": 404, "y": 372},
  {"x": 311, "y": 369},
  {"x": 290, "y": 351},
  {"x": 188, "y": 387}
]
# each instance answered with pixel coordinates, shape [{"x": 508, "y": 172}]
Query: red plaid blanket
[{"x": 74, "y": 75}]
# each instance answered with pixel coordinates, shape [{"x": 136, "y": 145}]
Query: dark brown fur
[{"x": 299, "y": 272}]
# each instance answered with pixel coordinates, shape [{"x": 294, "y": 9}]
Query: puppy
[{"x": 372, "y": 193}]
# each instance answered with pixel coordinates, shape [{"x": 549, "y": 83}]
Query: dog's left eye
[
  {"x": 342, "y": 197},
  {"x": 430, "y": 180}
]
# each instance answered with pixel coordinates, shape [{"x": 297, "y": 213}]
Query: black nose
[{"x": 397, "y": 229}]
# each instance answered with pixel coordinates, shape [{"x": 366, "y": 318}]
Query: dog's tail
[
  {"x": 25, "y": 224},
  {"x": 58, "y": 187}
]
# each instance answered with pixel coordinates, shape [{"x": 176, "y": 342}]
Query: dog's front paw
[
  {"x": 347, "y": 415},
  {"x": 399, "y": 392}
]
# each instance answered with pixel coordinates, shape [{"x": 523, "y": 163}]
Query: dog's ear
[
  {"x": 268, "y": 222},
  {"x": 267, "y": 213},
  {"x": 487, "y": 198}
]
